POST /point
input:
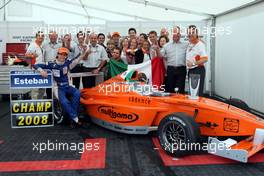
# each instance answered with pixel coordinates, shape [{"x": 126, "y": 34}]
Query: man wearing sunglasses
[{"x": 60, "y": 68}]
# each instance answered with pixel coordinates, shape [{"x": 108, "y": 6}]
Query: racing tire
[
  {"x": 239, "y": 104},
  {"x": 176, "y": 131}
]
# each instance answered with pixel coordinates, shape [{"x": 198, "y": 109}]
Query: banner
[
  {"x": 30, "y": 113},
  {"x": 29, "y": 79}
]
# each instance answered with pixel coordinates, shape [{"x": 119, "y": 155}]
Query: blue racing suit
[{"x": 60, "y": 74}]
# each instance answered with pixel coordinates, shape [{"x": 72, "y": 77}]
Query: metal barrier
[{"x": 99, "y": 77}]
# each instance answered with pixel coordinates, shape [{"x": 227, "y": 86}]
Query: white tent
[{"x": 101, "y": 11}]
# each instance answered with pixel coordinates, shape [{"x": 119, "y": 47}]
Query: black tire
[
  {"x": 238, "y": 103},
  {"x": 58, "y": 112},
  {"x": 175, "y": 130}
]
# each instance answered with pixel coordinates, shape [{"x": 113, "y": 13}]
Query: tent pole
[
  {"x": 4, "y": 11},
  {"x": 212, "y": 55}
]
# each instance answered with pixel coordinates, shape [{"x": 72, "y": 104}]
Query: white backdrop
[{"x": 240, "y": 57}]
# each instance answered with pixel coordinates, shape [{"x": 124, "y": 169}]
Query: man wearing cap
[
  {"x": 60, "y": 68},
  {"x": 116, "y": 37},
  {"x": 94, "y": 62}
]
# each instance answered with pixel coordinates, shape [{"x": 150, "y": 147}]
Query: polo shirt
[
  {"x": 195, "y": 52},
  {"x": 50, "y": 51},
  {"x": 175, "y": 53},
  {"x": 36, "y": 49},
  {"x": 97, "y": 55}
]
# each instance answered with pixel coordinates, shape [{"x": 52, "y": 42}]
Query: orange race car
[{"x": 133, "y": 107}]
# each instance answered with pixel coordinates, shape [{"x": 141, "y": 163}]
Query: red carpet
[
  {"x": 205, "y": 159},
  {"x": 89, "y": 160}
]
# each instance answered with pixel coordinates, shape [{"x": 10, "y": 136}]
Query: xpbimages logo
[
  {"x": 80, "y": 147},
  {"x": 133, "y": 87},
  {"x": 191, "y": 146}
]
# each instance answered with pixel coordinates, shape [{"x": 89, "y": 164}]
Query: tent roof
[{"x": 100, "y": 11}]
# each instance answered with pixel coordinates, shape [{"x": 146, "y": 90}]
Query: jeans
[{"x": 69, "y": 98}]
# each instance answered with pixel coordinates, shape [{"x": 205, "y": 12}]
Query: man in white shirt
[
  {"x": 95, "y": 61},
  {"x": 50, "y": 52},
  {"x": 196, "y": 56},
  {"x": 51, "y": 47},
  {"x": 36, "y": 53},
  {"x": 175, "y": 57},
  {"x": 80, "y": 48},
  {"x": 35, "y": 50}
]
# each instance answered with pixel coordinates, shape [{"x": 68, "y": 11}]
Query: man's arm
[
  {"x": 31, "y": 52},
  {"x": 102, "y": 64},
  {"x": 40, "y": 68},
  {"x": 73, "y": 62},
  {"x": 104, "y": 59}
]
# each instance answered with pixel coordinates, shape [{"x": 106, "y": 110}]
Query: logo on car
[{"x": 118, "y": 115}]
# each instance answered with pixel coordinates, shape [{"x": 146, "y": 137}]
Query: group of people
[{"x": 90, "y": 54}]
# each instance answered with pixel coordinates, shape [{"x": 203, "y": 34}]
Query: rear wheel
[{"x": 176, "y": 132}]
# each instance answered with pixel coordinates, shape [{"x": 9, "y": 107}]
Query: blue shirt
[{"x": 59, "y": 71}]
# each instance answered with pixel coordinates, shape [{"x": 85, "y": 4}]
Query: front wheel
[{"x": 177, "y": 132}]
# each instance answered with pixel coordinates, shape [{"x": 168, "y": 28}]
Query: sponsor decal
[
  {"x": 231, "y": 125},
  {"x": 139, "y": 100},
  {"x": 118, "y": 115}
]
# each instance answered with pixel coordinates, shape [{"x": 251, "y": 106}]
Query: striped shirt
[{"x": 175, "y": 53}]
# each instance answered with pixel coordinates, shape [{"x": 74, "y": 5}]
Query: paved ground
[{"x": 128, "y": 155}]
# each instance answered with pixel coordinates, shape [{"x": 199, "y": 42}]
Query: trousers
[{"x": 69, "y": 98}]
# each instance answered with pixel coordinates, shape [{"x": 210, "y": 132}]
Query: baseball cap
[
  {"x": 63, "y": 50},
  {"x": 116, "y": 34}
]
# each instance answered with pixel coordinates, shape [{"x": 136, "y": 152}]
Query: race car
[{"x": 134, "y": 107}]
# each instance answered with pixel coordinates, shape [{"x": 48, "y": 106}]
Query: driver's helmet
[{"x": 134, "y": 76}]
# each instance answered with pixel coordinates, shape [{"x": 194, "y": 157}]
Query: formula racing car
[{"x": 134, "y": 107}]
